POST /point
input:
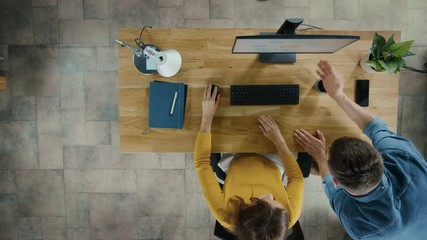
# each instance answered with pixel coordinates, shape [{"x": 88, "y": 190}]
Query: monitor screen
[{"x": 292, "y": 43}]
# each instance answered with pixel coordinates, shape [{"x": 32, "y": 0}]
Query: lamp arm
[{"x": 136, "y": 50}]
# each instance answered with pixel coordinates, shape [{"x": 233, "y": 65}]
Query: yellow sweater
[{"x": 246, "y": 176}]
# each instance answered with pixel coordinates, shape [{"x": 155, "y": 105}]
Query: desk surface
[{"x": 207, "y": 58}]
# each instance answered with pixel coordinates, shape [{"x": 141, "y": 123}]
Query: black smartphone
[{"x": 362, "y": 92}]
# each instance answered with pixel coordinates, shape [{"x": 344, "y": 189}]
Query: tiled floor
[{"x": 62, "y": 176}]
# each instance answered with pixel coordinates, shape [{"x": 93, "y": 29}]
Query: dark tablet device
[{"x": 362, "y": 92}]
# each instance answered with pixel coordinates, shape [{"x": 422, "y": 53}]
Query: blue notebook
[{"x": 167, "y": 105}]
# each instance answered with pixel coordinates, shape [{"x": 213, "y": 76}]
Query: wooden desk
[{"x": 207, "y": 58}]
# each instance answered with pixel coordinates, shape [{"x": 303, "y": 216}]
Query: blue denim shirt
[{"x": 397, "y": 207}]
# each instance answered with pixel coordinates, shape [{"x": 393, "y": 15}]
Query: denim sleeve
[
  {"x": 384, "y": 139},
  {"x": 331, "y": 190}
]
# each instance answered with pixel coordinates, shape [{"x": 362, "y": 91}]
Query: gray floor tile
[
  {"x": 166, "y": 187},
  {"x": 19, "y": 145},
  {"x": 83, "y": 32},
  {"x": 107, "y": 58},
  {"x": 98, "y": 132},
  {"x": 16, "y": 22},
  {"x": 44, "y": 3},
  {"x": 100, "y": 181},
  {"x": 70, "y": 9},
  {"x": 34, "y": 71},
  {"x": 315, "y": 209},
  {"x": 45, "y": 26},
  {"x": 95, "y": 9},
  {"x": 189, "y": 161},
  {"x": 130, "y": 13},
  {"x": 78, "y": 233},
  {"x": 335, "y": 24},
  {"x": 197, "y": 211},
  {"x": 7, "y": 181},
  {"x": 88, "y": 157},
  {"x": 417, "y": 4},
  {"x": 392, "y": 16},
  {"x": 24, "y": 108},
  {"x": 300, "y": 3},
  {"x": 72, "y": 90},
  {"x": 172, "y": 17},
  {"x": 113, "y": 216},
  {"x": 412, "y": 83},
  {"x": 171, "y": 3},
  {"x": 172, "y": 160},
  {"x": 8, "y": 217},
  {"x": 197, "y": 233},
  {"x": 346, "y": 9},
  {"x": 315, "y": 232},
  {"x": 49, "y": 133},
  {"x": 321, "y": 9},
  {"x": 115, "y": 133},
  {"x": 138, "y": 161},
  {"x": 40, "y": 193},
  {"x": 30, "y": 228},
  {"x": 252, "y": 14},
  {"x": 413, "y": 114},
  {"x": 54, "y": 228},
  {"x": 4, "y": 52},
  {"x": 77, "y": 59},
  {"x": 296, "y": 12},
  {"x": 73, "y": 126},
  {"x": 101, "y": 96},
  {"x": 209, "y": 23},
  {"x": 192, "y": 183},
  {"x": 173, "y": 228},
  {"x": 196, "y": 9},
  {"x": 77, "y": 208},
  {"x": 150, "y": 228},
  {"x": 417, "y": 138},
  {"x": 221, "y": 9},
  {"x": 416, "y": 17}
]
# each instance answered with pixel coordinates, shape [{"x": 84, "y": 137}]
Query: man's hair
[
  {"x": 355, "y": 164},
  {"x": 258, "y": 220}
]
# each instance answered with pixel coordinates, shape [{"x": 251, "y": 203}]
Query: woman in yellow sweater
[{"x": 253, "y": 204}]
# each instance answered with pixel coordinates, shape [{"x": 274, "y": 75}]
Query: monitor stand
[{"x": 276, "y": 57}]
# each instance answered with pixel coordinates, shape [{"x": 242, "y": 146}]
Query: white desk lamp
[{"x": 148, "y": 58}]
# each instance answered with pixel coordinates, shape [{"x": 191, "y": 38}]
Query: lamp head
[{"x": 168, "y": 62}]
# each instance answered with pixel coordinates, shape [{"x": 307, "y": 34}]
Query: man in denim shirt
[{"x": 379, "y": 191}]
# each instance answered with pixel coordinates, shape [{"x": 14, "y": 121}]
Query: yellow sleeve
[
  {"x": 294, "y": 188},
  {"x": 213, "y": 194}
]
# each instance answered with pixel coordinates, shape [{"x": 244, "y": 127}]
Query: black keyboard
[{"x": 264, "y": 94}]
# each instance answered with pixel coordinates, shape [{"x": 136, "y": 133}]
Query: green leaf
[
  {"x": 401, "y": 49},
  {"x": 389, "y": 43},
  {"x": 384, "y": 65},
  {"x": 377, "y": 45},
  {"x": 375, "y": 65}
]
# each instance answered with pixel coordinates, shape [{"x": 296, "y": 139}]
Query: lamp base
[{"x": 144, "y": 65}]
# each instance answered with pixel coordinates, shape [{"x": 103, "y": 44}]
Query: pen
[{"x": 173, "y": 103}]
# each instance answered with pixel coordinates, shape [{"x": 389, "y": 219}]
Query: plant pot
[{"x": 365, "y": 66}]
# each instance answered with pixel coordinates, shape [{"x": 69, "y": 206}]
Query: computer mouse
[{"x": 213, "y": 88}]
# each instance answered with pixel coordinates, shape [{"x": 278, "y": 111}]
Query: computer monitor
[{"x": 283, "y": 45}]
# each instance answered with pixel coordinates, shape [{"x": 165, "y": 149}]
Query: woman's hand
[
  {"x": 209, "y": 105},
  {"x": 315, "y": 146},
  {"x": 270, "y": 130},
  {"x": 332, "y": 81}
]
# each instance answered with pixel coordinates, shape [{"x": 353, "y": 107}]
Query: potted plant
[{"x": 386, "y": 55}]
